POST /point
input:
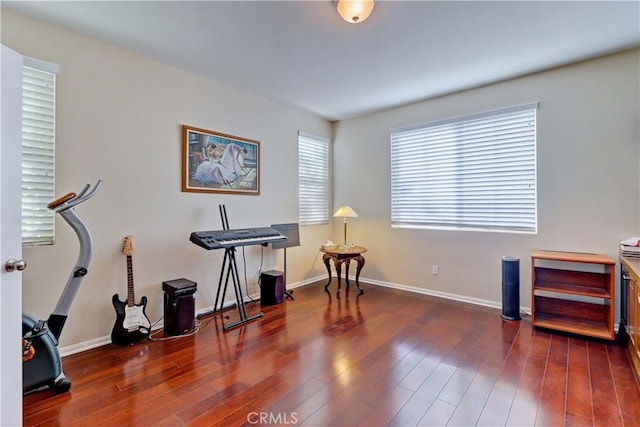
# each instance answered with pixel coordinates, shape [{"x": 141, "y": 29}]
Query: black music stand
[{"x": 292, "y": 232}]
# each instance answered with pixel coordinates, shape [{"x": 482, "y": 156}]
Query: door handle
[{"x": 15, "y": 264}]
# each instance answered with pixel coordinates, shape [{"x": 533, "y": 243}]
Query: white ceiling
[{"x": 303, "y": 54}]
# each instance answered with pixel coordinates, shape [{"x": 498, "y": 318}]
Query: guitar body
[{"x": 132, "y": 324}]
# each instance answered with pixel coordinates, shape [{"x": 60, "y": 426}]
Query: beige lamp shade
[
  {"x": 354, "y": 11},
  {"x": 345, "y": 212}
]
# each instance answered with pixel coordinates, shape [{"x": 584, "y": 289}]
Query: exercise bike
[{"x": 42, "y": 366}]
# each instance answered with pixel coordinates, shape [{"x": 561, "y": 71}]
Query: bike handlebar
[
  {"x": 61, "y": 200},
  {"x": 72, "y": 199}
]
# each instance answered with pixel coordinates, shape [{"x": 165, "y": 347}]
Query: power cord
[
  {"x": 246, "y": 285},
  {"x": 312, "y": 264},
  {"x": 260, "y": 268},
  {"x": 152, "y": 337}
]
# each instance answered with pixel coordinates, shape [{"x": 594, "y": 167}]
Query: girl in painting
[
  {"x": 224, "y": 164},
  {"x": 212, "y": 172},
  {"x": 214, "y": 151},
  {"x": 233, "y": 157}
]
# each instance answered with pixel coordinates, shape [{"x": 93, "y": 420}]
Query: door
[{"x": 10, "y": 238}]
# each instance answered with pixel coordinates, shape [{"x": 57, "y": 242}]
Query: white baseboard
[
  {"x": 98, "y": 342},
  {"x": 445, "y": 295},
  {"x": 84, "y": 346}
]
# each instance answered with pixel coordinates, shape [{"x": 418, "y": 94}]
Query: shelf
[
  {"x": 564, "y": 288},
  {"x": 559, "y": 309},
  {"x": 573, "y": 257},
  {"x": 563, "y": 307},
  {"x": 573, "y": 325}
]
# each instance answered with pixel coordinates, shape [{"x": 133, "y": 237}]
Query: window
[
  {"x": 38, "y": 149},
  {"x": 313, "y": 179},
  {"x": 476, "y": 172}
]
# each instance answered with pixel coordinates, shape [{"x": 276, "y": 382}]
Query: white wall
[
  {"x": 588, "y": 148},
  {"x": 119, "y": 119}
]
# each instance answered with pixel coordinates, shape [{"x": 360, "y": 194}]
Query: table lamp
[{"x": 345, "y": 212}]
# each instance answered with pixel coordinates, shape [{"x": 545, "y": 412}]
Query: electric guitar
[{"x": 132, "y": 323}]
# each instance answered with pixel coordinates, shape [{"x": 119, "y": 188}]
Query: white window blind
[
  {"x": 38, "y": 151},
  {"x": 476, "y": 172},
  {"x": 313, "y": 179}
]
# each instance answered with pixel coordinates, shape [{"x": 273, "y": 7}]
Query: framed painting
[{"x": 214, "y": 162}]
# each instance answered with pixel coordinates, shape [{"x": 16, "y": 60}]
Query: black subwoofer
[
  {"x": 179, "y": 306},
  {"x": 271, "y": 287}
]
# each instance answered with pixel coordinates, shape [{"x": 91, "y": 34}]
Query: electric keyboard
[{"x": 239, "y": 237}]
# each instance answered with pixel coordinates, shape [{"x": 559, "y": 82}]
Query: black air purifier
[
  {"x": 179, "y": 306},
  {"x": 510, "y": 288}
]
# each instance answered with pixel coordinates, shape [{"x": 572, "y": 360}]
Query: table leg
[
  {"x": 327, "y": 260},
  {"x": 346, "y": 272},
  {"x": 360, "y": 260},
  {"x": 338, "y": 264}
]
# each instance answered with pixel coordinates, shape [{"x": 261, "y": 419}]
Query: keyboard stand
[
  {"x": 229, "y": 262},
  {"x": 232, "y": 269}
]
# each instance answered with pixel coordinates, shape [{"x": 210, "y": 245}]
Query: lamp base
[{"x": 345, "y": 234}]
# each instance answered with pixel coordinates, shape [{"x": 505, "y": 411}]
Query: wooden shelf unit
[{"x": 566, "y": 298}]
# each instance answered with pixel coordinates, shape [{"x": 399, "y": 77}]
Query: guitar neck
[{"x": 130, "y": 293}]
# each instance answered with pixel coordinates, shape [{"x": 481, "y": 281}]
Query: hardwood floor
[{"x": 383, "y": 358}]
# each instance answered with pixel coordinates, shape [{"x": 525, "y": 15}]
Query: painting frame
[{"x": 219, "y": 163}]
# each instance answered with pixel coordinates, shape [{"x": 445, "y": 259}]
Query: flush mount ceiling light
[{"x": 354, "y": 11}]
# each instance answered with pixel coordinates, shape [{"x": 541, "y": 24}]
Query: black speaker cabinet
[
  {"x": 271, "y": 287},
  {"x": 179, "y": 306}
]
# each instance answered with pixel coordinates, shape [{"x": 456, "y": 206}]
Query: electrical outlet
[{"x": 435, "y": 270}]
